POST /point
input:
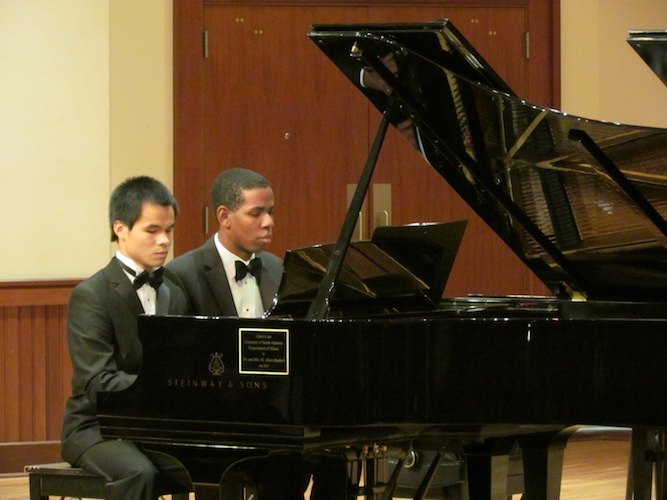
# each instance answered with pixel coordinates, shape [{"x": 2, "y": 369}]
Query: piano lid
[
  {"x": 651, "y": 45},
  {"x": 581, "y": 202}
]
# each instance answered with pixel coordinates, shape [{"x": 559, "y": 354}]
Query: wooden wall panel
[
  {"x": 10, "y": 373},
  {"x": 35, "y": 370}
]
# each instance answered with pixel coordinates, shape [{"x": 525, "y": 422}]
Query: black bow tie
[
  {"x": 153, "y": 278},
  {"x": 254, "y": 268}
]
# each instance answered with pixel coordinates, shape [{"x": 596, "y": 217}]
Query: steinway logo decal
[
  {"x": 216, "y": 367},
  {"x": 203, "y": 383},
  {"x": 218, "y": 383}
]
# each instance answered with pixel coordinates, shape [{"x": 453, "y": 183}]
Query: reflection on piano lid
[
  {"x": 428, "y": 250},
  {"x": 581, "y": 202},
  {"x": 402, "y": 269},
  {"x": 651, "y": 45}
]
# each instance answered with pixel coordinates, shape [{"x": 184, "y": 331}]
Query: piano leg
[
  {"x": 487, "y": 469},
  {"x": 543, "y": 464},
  {"x": 489, "y": 466},
  {"x": 647, "y": 461},
  {"x": 661, "y": 493}
]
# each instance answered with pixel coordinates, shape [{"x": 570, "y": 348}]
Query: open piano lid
[
  {"x": 581, "y": 202},
  {"x": 651, "y": 45}
]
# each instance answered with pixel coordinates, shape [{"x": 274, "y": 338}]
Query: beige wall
[
  {"x": 140, "y": 65},
  {"x": 602, "y": 76},
  {"x": 54, "y": 136},
  {"x": 85, "y": 101}
]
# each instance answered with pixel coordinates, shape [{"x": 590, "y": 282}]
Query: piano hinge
[
  {"x": 205, "y": 44},
  {"x": 527, "y": 45}
]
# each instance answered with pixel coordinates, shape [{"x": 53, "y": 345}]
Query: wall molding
[{"x": 33, "y": 292}]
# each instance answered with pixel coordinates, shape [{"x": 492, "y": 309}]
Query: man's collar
[
  {"x": 129, "y": 262},
  {"x": 226, "y": 254}
]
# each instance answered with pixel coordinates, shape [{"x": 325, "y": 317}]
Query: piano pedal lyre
[
  {"x": 368, "y": 472},
  {"x": 381, "y": 472}
]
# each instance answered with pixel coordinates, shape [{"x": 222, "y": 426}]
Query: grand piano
[{"x": 362, "y": 360}]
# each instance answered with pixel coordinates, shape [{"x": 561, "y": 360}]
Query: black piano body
[
  {"x": 208, "y": 384},
  {"x": 360, "y": 357}
]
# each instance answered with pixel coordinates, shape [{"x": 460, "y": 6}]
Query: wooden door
[
  {"x": 274, "y": 103},
  {"x": 271, "y": 101}
]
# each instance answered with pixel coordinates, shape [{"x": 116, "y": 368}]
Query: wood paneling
[
  {"x": 35, "y": 370},
  {"x": 15, "y": 456}
]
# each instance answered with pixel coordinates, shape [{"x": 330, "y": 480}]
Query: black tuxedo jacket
[
  {"x": 104, "y": 347},
  {"x": 202, "y": 277}
]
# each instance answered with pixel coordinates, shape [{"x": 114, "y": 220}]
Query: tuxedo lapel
[
  {"x": 123, "y": 287},
  {"x": 267, "y": 288},
  {"x": 216, "y": 278},
  {"x": 163, "y": 300}
]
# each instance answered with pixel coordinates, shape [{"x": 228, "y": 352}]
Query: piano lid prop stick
[
  {"x": 619, "y": 179},
  {"x": 319, "y": 307}
]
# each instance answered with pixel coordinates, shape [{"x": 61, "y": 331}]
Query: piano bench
[{"x": 62, "y": 480}]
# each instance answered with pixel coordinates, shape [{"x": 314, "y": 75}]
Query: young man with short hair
[
  {"x": 223, "y": 278},
  {"x": 215, "y": 284},
  {"x": 104, "y": 345}
]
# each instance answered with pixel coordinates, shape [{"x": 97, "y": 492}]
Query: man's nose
[
  {"x": 164, "y": 238},
  {"x": 268, "y": 220}
]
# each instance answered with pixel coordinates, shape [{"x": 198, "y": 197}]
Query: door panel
[{"x": 275, "y": 104}]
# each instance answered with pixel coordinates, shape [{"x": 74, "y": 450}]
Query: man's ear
[
  {"x": 223, "y": 215},
  {"x": 119, "y": 228}
]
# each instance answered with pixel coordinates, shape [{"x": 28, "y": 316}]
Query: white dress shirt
[
  {"x": 247, "y": 298},
  {"x": 146, "y": 293}
]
